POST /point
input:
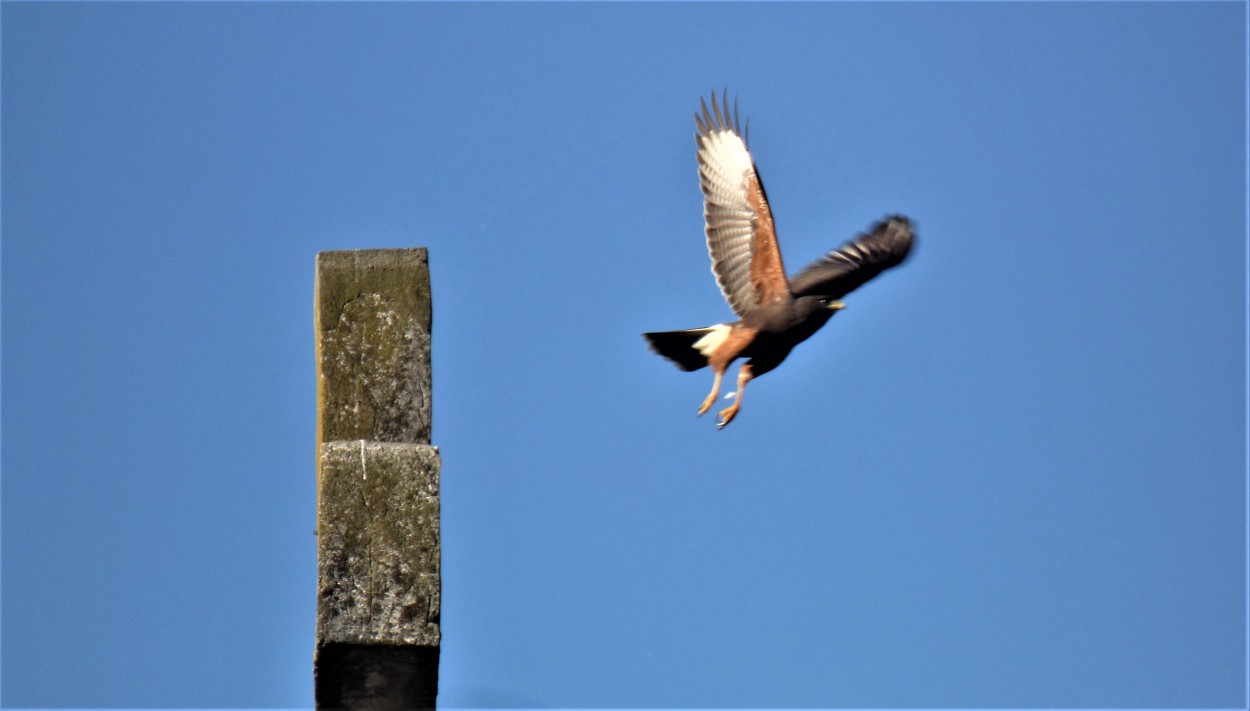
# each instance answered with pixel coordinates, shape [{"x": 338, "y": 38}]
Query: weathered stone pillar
[{"x": 378, "y": 550}]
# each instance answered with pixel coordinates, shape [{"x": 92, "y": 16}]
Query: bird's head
[{"x": 821, "y": 307}]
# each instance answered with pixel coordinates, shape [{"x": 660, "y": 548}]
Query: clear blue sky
[{"x": 1011, "y": 473}]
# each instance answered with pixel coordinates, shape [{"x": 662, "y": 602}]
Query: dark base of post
[{"x": 375, "y": 676}]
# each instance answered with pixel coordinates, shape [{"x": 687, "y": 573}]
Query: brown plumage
[{"x": 774, "y": 313}]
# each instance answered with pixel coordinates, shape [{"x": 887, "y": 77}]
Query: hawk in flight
[{"x": 775, "y": 313}]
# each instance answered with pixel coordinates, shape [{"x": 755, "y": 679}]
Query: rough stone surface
[
  {"x": 373, "y": 318},
  {"x": 378, "y": 543},
  {"x": 378, "y": 580}
]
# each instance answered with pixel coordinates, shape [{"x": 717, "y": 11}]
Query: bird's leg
[
  {"x": 727, "y": 415},
  {"x": 711, "y": 398}
]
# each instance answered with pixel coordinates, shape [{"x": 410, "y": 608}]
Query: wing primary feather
[{"x": 737, "y": 124}]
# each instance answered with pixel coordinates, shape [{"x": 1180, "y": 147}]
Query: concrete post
[{"x": 378, "y": 548}]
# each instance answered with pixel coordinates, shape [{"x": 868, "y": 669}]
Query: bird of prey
[{"x": 775, "y": 314}]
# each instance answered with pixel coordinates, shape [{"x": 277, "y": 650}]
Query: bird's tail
[{"x": 688, "y": 349}]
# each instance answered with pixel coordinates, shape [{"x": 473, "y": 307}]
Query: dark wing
[
  {"x": 741, "y": 238},
  {"x": 850, "y": 266}
]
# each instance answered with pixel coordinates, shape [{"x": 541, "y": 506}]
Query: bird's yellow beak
[{"x": 835, "y": 306}]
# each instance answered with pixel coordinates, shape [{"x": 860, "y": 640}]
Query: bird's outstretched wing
[
  {"x": 741, "y": 238},
  {"x": 848, "y": 267}
]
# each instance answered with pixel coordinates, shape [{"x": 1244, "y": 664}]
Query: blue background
[{"x": 1011, "y": 473}]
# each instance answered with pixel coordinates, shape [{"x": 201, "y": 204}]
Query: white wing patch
[{"x": 726, "y": 160}]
